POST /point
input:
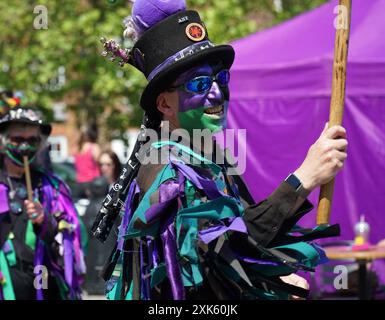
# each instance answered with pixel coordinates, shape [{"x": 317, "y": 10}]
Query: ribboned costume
[
  {"x": 189, "y": 230},
  {"x": 56, "y": 244}
]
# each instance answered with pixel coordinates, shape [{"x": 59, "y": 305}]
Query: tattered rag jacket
[
  {"x": 28, "y": 250},
  {"x": 190, "y": 231}
]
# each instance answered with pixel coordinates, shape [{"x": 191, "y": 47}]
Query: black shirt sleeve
[{"x": 268, "y": 219}]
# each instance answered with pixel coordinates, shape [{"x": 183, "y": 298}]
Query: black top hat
[
  {"x": 25, "y": 115},
  {"x": 169, "y": 48}
]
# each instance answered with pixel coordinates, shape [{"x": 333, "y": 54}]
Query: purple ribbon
[
  {"x": 60, "y": 200},
  {"x": 174, "y": 274},
  {"x": 257, "y": 261},
  {"x": 40, "y": 250},
  {"x": 152, "y": 255},
  {"x": 134, "y": 189},
  {"x": 145, "y": 281},
  {"x": 38, "y": 261},
  {"x": 6, "y": 247},
  {"x": 215, "y": 232},
  {"x": 168, "y": 192},
  {"x": 208, "y": 186},
  {"x": 68, "y": 258},
  {"x": 153, "y": 252},
  {"x": 48, "y": 200},
  {"x": 4, "y": 205}
]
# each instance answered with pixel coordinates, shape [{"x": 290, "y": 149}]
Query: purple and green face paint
[{"x": 207, "y": 110}]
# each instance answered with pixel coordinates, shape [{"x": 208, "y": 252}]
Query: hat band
[{"x": 184, "y": 53}]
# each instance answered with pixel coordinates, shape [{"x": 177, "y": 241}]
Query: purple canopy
[{"x": 280, "y": 92}]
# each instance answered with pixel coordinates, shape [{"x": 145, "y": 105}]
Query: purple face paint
[{"x": 188, "y": 100}]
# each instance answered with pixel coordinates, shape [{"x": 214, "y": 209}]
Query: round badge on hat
[{"x": 195, "y": 31}]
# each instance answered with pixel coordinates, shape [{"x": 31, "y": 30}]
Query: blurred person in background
[
  {"x": 10, "y": 99},
  {"x": 97, "y": 253},
  {"x": 38, "y": 238},
  {"x": 86, "y": 161}
]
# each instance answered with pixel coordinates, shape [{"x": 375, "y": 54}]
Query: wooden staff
[
  {"x": 28, "y": 178},
  {"x": 337, "y": 100}
]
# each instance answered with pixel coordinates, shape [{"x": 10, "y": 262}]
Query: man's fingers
[
  {"x": 35, "y": 217},
  {"x": 337, "y": 158},
  {"x": 29, "y": 205},
  {"x": 335, "y": 132},
  {"x": 339, "y": 144},
  {"x": 39, "y": 219},
  {"x": 33, "y": 210},
  {"x": 381, "y": 243},
  {"x": 32, "y": 214},
  {"x": 340, "y": 155}
]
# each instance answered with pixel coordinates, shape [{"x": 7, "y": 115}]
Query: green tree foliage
[
  {"x": 32, "y": 60},
  {"x": 291, "y": 8}
]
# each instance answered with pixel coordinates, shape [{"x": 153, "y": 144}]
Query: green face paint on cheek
[
  {"x": 197, "y": 119},
  {"x": 16, "y": 153}
]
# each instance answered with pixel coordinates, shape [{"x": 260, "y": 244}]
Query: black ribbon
[{"x": 115, "y": 199}]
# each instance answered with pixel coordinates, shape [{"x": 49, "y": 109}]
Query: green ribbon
[
  {"x": 167, "y": 173},
  {"x": 11, "y": 255},
  {"x": 184, "y": 149},
  {"x": 30, "y": 236},
  {"x": 7, "y": 287},
  {"x": 114, "y": 293},
  {"x": 158, "y": 274},
  {"x": 303, "y": 252}
]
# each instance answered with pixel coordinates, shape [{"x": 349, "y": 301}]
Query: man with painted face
[
  {"x": 40, "y": 251},
  {"x": 190, "y": 230},
  {"x": 199, "y": 98}
]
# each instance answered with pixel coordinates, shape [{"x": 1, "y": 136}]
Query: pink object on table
[{"x": 362, "y": 247}]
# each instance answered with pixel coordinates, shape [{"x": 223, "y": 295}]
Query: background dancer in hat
[
  {"x": 191, "y": 230},
  {"x": 40, "y": 244}
]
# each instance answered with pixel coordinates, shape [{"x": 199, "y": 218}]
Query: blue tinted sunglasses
[{"x": 202, "y": 84}]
